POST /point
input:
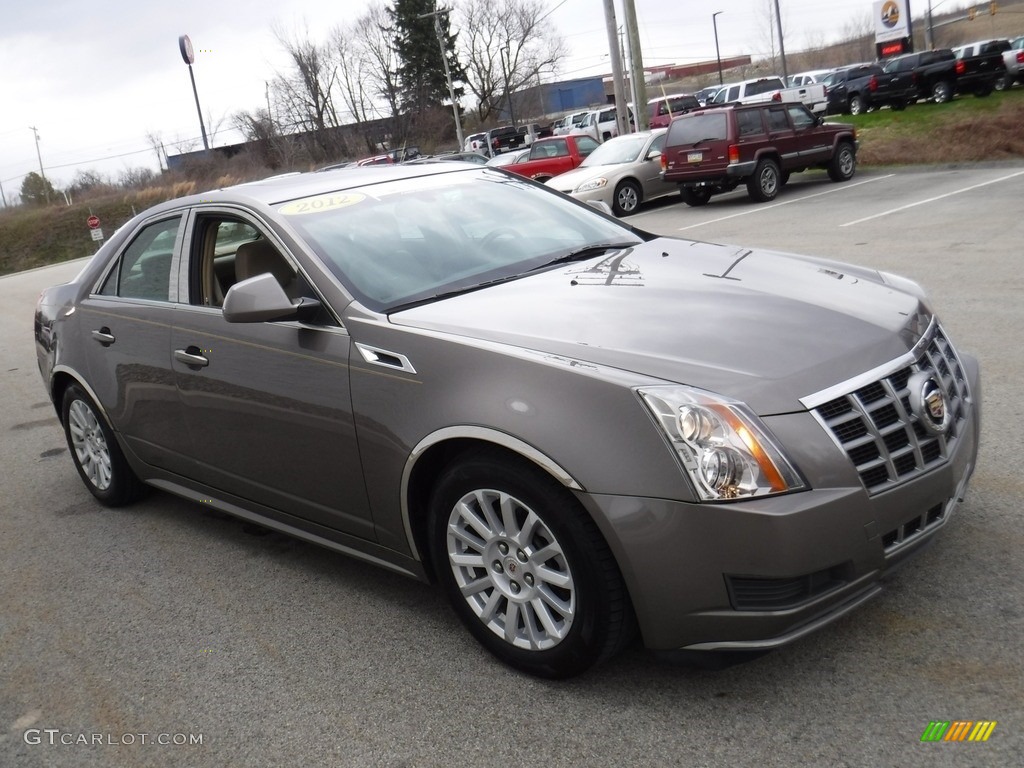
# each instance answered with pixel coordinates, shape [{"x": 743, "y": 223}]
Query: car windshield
[
  {"x": 622, "y": 149},
  {"x": 411, "y": 241}
]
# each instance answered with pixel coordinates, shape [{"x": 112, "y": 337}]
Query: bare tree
[
  {"x": 505, "y": 44},
  {"x": 305, "y": 92},
  {"x": 768, "y": 38},
  {"x": 367, "y": 69},
  {"x": 859, "y": 34}
]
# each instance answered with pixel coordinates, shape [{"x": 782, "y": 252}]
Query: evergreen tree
[
  {"x": 35, "y": 190},
  {"x": 420, "y": 68}
]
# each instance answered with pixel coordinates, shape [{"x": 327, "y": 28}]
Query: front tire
[
  {"x": 764, "y": 185},
  {"x": 94, "y": 449},
  {"x": 627, "y": 198},
  {"x": 525, "y": 568},
  {"x": 843, "y": 163}
]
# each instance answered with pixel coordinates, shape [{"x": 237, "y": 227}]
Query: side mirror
[
  {"x": 602, "y": 206},
  {"x": 261, "y": 298},
  {"x": 654, "y": 154}
]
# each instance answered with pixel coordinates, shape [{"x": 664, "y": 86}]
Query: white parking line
[
  {"x": 932, "y": 199},
  {"x": 761, "y": 208}
]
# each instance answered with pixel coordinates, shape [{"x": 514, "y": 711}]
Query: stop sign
[{"x": 93, "y": 222}]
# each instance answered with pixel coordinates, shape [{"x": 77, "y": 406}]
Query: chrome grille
[{"x": 875, "y": 426}]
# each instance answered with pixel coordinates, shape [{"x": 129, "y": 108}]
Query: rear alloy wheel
[
  {"x": 526, "y": 569},
  {"x": 97, "y": 456},
  {"x": 856, "y": 105},
  {"x": 764, "y": 185},
  {"x": 942, "y": 92},
  {"x": 695, "y": 196},
  {"x": 843, "y": 163},
  {"x": 627, "y": 198}
]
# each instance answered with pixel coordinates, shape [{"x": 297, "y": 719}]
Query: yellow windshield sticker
[{"x": 321, "y": 203}]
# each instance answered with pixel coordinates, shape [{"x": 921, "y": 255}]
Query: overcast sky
[{"x": 96, "y": 78}]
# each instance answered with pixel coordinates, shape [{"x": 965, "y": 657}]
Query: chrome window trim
[{"x": 172, "y": 286}]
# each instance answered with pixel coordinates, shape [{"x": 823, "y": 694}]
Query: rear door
[
  {"x": 128, "y": 319},
  {"x": 782, "y": 136},
  {"x": 267, "y": 404}
]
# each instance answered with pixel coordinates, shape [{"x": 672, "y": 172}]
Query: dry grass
[{"x": 964, "y": 131}]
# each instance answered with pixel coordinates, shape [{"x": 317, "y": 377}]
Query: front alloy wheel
[
  {"x": 843, "y": 163},
  {"x": 627, "y": 198},
  {"x": 525, "y": 567}
]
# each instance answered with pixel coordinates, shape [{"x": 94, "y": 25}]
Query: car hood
[{"x": 765, "y": 328}]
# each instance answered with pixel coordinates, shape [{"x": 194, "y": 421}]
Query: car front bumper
[{"x": 758, "y": 574}]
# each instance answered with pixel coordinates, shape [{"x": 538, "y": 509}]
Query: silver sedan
[
  {"x": 579, "y": 429},
  {"x": 622, "y": 173}
]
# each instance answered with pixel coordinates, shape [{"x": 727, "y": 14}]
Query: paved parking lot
[{"x": 164, "y": 623}]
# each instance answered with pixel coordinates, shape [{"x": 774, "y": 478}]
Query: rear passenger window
[
  {"x": 748, "y": 123},
  {"x": 777, "y": 120},
  {"x": 143, "y": 271}
]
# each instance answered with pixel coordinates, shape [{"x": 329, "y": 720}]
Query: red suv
[{"x": 711, "y": 151}]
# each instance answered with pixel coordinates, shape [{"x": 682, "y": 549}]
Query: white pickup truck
[{"x": 811, "y": 95}]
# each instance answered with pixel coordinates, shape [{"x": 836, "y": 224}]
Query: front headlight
[
  {"x": 597, "y": 183},
  {"x": 722, "y": 446}
]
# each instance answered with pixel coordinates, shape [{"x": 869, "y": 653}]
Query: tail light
[
  {"x": 873, "y": 83},
  {"x": 664, "y": 162},
  {"x": 961, "y": 67},
  {"x": 1020, "y": 57},
  {"x": 734, "y": 153},
  {"x": 777, "y": 96}
]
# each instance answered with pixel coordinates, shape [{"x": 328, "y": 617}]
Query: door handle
[
  {"x": 104, "y": 336},
  {"x": 190, "y": 356}
]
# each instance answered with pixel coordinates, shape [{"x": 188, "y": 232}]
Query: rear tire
[
  {"x": 695, "y": 196},
  {"x": 525, "y": 568},
  {"x": 95, "y": 451},
  {"x": 843, "y": 163},
  {"x": 942, "y": 92},
  {"x": 856, "y": 105},
  {"x": 764, "y": 185}
]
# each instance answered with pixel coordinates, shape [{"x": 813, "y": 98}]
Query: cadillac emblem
[{"x": 928, "y": 402}]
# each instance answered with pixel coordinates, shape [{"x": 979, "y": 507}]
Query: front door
[{"x": 267, "y": 404}]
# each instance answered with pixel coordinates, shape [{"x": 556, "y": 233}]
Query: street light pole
[
  {"x": 782, "y": 45},
  {"x": 185, "y": 47},
  {"x": 718, "y": 56}
]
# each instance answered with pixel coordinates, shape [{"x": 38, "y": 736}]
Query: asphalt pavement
[{"x": 164, "y": 635}]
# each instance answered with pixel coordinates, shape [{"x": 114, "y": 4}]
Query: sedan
[
  {"x": 622, "y": 173},
  {"x": 580, "y": 430}
]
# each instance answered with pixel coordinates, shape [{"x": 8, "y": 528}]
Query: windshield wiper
[
  {"x": 586, "y": 252},
  {"x": 453, "y": 292}
]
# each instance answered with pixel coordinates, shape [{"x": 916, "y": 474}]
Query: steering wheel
[{"x": 496, "y": 234}]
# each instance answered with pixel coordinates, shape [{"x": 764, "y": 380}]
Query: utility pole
[
  {"x": 718, "y": 56},
  {"x": 618, "y": 89},
  {"x": 929, "y": 32},
  {"x": 436, "y": 14},
  {"x": 2, "y": 195},
  {"x": 782, "y": 45},
  {"x": 506, "y": 71},
  {"x": 636, "y": 66},
  {"x": 46, "y": 185}
]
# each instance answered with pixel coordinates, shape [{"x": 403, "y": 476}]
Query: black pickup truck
[
  {"x": 858, "y": 88},
  {"x": 505, "y": 139},
  {"x": 939, "y": 74}
]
